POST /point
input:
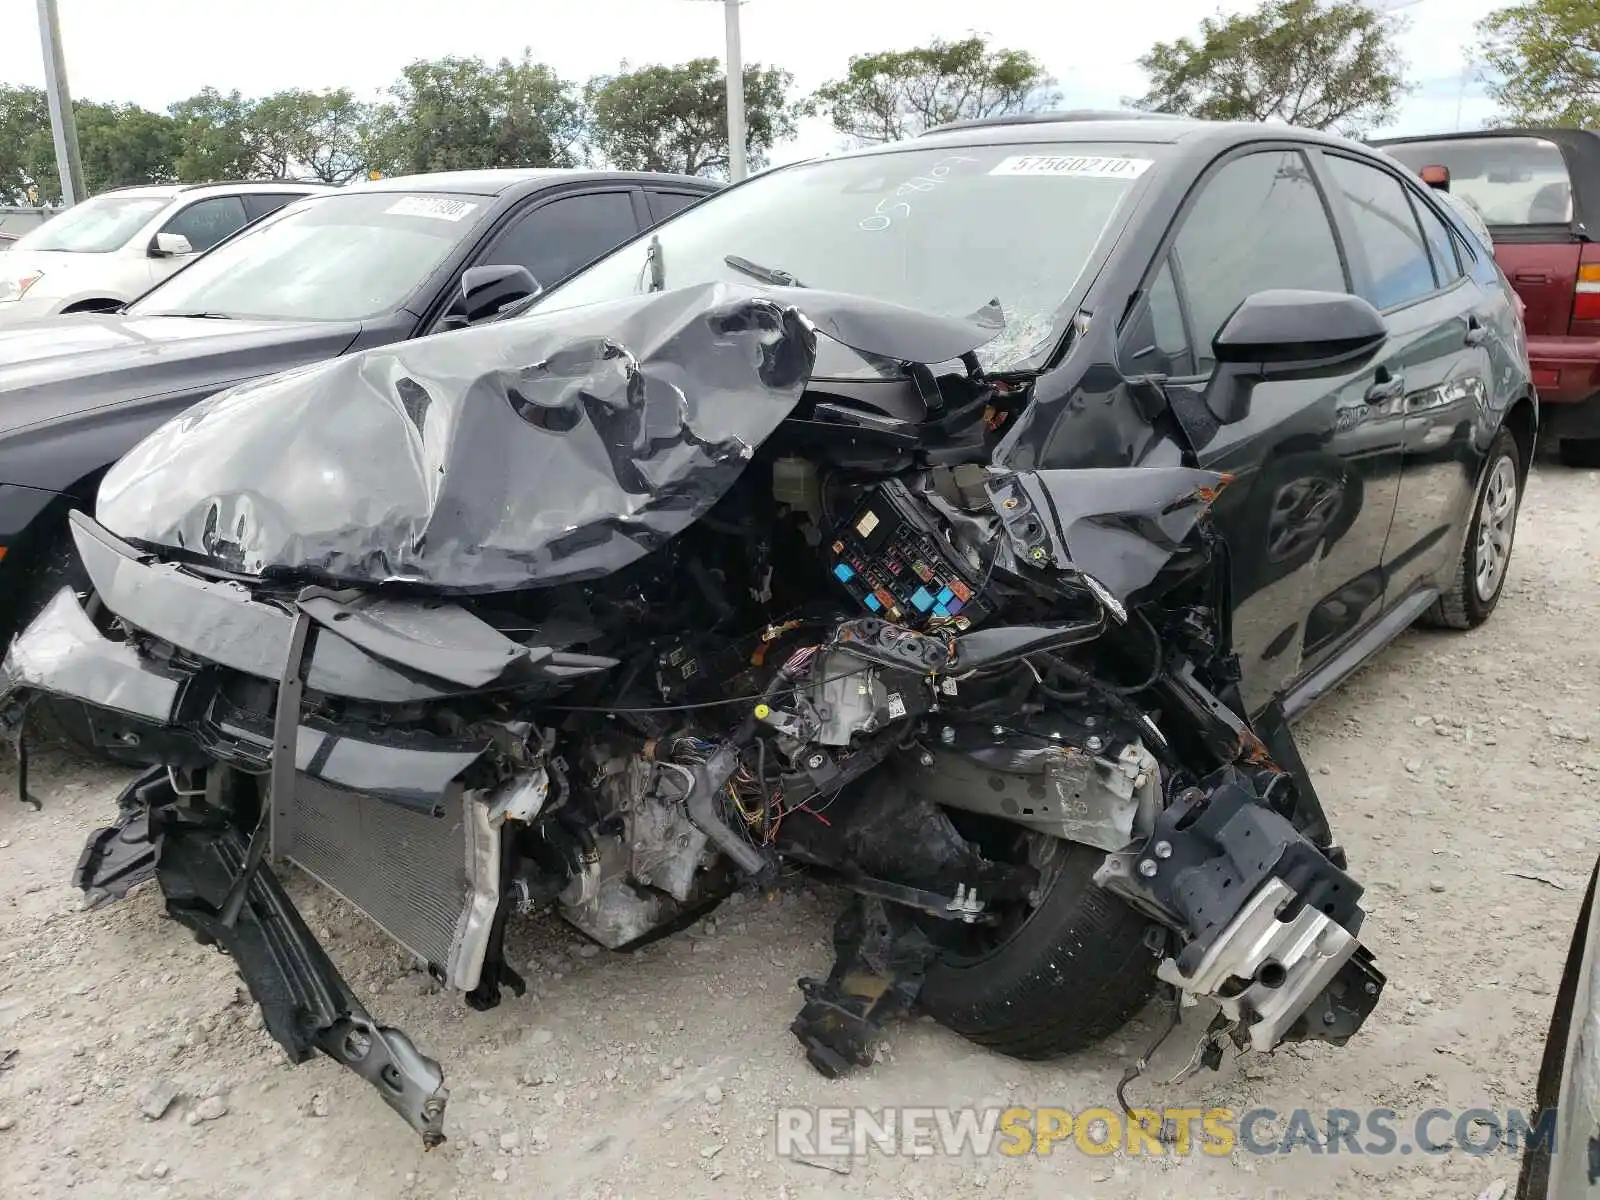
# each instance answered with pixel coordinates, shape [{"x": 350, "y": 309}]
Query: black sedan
[
  {"x": 1272, "y": 302},
  {"x": 1159, "y": 427},
  {"x": 370, "y": 264}
]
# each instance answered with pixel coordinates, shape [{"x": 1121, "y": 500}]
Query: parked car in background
[
  {"x": 344, "y": 270},
  {"x": 15, "y": 221},
  {"x": 101, "y": 253},
  {"x": 1538, "y": 190}
]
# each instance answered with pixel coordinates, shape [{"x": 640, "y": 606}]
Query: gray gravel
[{"x": 1458, "y": 769}]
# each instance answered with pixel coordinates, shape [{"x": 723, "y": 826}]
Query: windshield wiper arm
[
  {"x": 656, "y": 265},
  {"x": 196, "y": 316},
  {"x": 766, "y": 274}
]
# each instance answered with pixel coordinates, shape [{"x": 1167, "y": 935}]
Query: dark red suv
[{"x": 1538, "y": 190}]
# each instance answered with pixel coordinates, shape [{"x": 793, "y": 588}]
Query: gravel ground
[{"x": 1447, "y": 764}]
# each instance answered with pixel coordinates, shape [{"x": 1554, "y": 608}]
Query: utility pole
[
  {"x": 736, "y": 134},
  {"x": 63, "y": 125}
]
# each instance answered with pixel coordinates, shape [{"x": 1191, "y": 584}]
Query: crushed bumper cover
[{"x": 306, "y": 1004}]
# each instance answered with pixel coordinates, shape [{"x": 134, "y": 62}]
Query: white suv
[{"x": 111, "y": 248}]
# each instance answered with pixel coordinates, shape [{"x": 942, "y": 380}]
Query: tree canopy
[
  {"x": 900, "y": 93},
  {"x": 1544, "y": 62},
  {"x": 1321, "y": 64},
  {"x": 675, "y": 118}
]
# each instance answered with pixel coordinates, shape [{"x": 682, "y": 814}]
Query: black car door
[
  {"x": 1315, "y": 489},
  {"x": 1407, "y": 264},
  {"x": 554, "y": 235}
]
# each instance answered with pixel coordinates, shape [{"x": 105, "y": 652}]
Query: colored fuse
[
  {"x": 885, "y": 597},
  {"x": 844, "y": 573},
  {"x": 871, "y": 602},
  {"x": 922, "y": 600},
  {"x": 962, "y": 591}
]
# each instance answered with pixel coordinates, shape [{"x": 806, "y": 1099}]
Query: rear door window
[
  {"x": 259, "y": 204},
  {"x": 1446, "y": 264},
  {"x": 665, "y": 204},
  {"x": 1399, "y": 267},
  {"x": 1509, "y": 180}
]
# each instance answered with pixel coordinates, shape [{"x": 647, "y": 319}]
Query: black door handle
[
  {"x": 1477, "y": 331},
  {"x": 1389, "y": 387}
]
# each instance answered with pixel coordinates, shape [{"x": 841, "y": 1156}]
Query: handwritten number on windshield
[{"x": 889, "y": 209}]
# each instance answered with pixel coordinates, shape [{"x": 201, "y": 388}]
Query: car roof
[
  {"x": 169, "y": 191},
  {"x": 1092, "y": 126},
  {"x": 501, "y": 180}
]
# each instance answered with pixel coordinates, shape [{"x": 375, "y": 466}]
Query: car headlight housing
[{"x": 15, "y": 287}]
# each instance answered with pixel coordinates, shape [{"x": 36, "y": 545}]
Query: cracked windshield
[{"x": 945, "y": 230}]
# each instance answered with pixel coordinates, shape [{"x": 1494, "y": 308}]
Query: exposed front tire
[
  {"x": 1579, "y": 452},
  {"x": 1070, "y": 973},
  {"x": 1480, "y": 576}
]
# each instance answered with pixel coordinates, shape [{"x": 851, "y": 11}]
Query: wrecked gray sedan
[{"x": 610, "y": 611}]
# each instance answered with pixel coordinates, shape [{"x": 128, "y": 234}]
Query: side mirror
[
  {"x": 1287, "y": 334},
  {"x": 486, "y": 290},
  {"x": 169, "y": 245}
]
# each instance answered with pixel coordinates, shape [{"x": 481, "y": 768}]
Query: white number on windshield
[{"x": 888, "y": 210}]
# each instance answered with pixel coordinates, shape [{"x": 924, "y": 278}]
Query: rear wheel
[
  {"x": 1579, "y": 452},
  {"x": 1057, "y": 978},
  {"x": 1480, "y": 576}
]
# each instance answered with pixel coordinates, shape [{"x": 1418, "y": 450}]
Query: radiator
[{"x": 430, "y": 883}]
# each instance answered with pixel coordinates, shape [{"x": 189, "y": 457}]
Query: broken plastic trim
[{"x": 305, "y": 1003}]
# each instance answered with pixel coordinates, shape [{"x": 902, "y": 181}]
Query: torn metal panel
[
  {"x": 1117, "y": 525},
  {"x": 1059, "y": 790}
]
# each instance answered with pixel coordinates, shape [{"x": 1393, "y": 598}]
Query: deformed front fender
[{"x": 1117, "y": 526}]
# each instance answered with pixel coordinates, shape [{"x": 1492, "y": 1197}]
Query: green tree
[
  {"x": 900, "y": 93},
  {"x": 219, "y": 140},
  {"x": 1321, "y": 64},
  {"x": 315, "y": 132},
  {"x": 123, "y": 144},
  {"x": 1544, "y": 60},
  {"x": 23, "y": 114},
  {"x": 676, "y": 118},
  {"x": 452, "y": 114}
]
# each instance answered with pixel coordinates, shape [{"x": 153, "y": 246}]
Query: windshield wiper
[
  {"x": 766, "y": 274},
  {"x": 197, "y": 316}
]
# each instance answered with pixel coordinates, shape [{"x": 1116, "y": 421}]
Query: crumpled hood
[{"x": 557, "y": 446}]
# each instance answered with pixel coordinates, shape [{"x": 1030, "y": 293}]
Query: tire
[
  {"x": 1583, "y": 453},
  {"x": 1467, "y": 604},
  {"x": 63, "y": 721},
  {"x": 1075, "y": 971}
]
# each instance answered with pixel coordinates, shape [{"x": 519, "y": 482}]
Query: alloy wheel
[{"x": 1497, "y": 523}]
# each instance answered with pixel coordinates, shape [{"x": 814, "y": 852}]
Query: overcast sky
[{"x": 155, "y": 51}]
